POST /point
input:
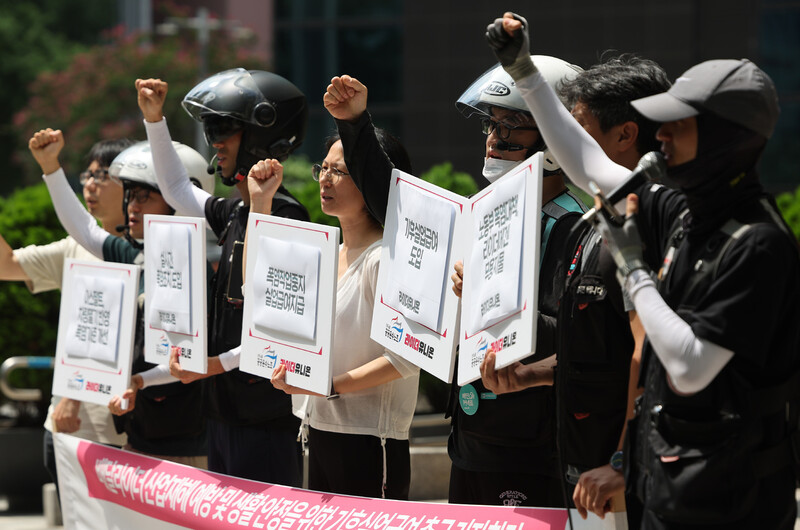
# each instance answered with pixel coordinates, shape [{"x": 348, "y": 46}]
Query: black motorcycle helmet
[{"x": 269, "y": 110}]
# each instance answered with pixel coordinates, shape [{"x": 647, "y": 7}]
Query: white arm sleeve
[
  {"x": 78, "y": 222},
  {"x": 230, "y": 359},
  {"x": 173, "y": 180},
  {"x": 157, "y": 375},
  {"x": 580, "y": 156},
  {"x": 692, "y": 363}
]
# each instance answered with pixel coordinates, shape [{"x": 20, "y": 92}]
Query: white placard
[
  {"x": 292, "y": 249},
  {"x": 98, "y": 314},
  {"x": 500, "y": 291},
  {"x": 175, "y": 282},
  {"x": 93, "y": 323},
  {"x": 438, "y": 219},
  {"x": 285, "y": 277},
  {"x": 421, "y": 247},
  {"x": 495, "y": 260}
]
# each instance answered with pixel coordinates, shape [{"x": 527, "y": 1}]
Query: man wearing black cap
[{"x": 712, "y": 444}]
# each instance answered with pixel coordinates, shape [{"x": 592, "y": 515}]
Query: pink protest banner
[{"x": 103, "y": 487}]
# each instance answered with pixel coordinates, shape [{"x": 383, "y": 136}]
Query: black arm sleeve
[{"x": 369, "y": 166}]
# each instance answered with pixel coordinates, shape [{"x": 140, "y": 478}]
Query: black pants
[
  {"x": 352, "y": 464},
  {"x": 504, "y": 488},
  {"x": 257, "y": 453}
]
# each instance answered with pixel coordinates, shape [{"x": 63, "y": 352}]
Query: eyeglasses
[
  {"x": 100, "y": 176},
  {"x": 141, "y": 195},
  {"x": 503, "y": 129},
  {"x": 333, "y": 174},
  {"x": 219, "y": 128}
]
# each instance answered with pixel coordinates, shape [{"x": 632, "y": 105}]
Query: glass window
[{"x": 779, "y": 56}]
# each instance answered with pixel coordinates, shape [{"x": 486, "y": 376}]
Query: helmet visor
[
  {"x": 231, "y": 93},
  {"x": 218, "y": 128},
  {"x": 495, "y": 88}
]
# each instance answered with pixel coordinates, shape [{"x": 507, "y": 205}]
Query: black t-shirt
[
  {"x": 753, "y": 306},
  {"x": 236, "y": 397}
]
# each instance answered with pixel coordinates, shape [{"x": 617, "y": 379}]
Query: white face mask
[{"x": 494, "y": 168}]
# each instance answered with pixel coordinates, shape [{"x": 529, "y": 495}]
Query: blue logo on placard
[
  {"x": 394, "y": 330},
  {"x": 479, "y": 353},
  {"x": 162, "y": 348},
  {"x": 482, "y": 345},
  {"x": 267, "y": 358},
  {"x": 76, "y": 381}
]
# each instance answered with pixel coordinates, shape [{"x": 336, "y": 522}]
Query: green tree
[
  {"x": 789, "y": 205},
  {"x": 29, "y": 323},
  {"x": 94, "y": 98},
  {"x": 39, "y": 36}
]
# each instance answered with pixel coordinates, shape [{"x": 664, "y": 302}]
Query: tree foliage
[
  {"x": 789, "y": 204},
  {"x": 28, "y": 323},
  {"x": 94, "y": 98},
  {"x": 38, "y": 36}
]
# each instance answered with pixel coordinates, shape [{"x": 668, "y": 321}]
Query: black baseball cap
[{"x": 735, "y": 90}]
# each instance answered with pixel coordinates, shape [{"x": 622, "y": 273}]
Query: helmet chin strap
[{"x": 234, "y": 179}]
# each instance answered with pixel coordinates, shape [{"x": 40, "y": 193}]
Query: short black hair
[
  {"x": 390, "y": 145},
  {"x": 608, "y": 88},
  {"x": 105, "y": 151}
]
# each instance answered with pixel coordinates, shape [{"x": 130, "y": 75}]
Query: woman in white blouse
[{"x": 358, "y": 437}]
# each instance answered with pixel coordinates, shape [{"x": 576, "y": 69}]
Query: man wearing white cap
[{"x": 712, "y": 446}]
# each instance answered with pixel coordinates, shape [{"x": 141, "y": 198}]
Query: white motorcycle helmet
[
  {"x": 495, "y": 88},
  {"x": 135, "y": 165}
]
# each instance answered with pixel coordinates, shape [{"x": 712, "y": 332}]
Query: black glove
[{"x": 513, "y": 51}]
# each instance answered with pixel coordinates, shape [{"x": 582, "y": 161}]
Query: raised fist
[
  {"x": 345, "y": 98},
  {"x": 151, "y": 94},
  {"x": 45, "y": 146}
]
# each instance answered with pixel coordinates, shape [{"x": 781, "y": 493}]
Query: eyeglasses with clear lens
[
  {"x": 100, "y": 176},
  {"x": 503, "y": 129},
  {"x": 220, "y": 128},
  {"x": 141, "y": 195},
  {"x": 333, "y": 174}
]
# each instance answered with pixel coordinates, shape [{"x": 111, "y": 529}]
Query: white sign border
[
  {"x": 197, "y": 341},
  {"x": 290, "y": 347},
  {"x": 520, "y": 326},
  {"x": 385, "y": 318},
  {"x": 65, "y": 368}
]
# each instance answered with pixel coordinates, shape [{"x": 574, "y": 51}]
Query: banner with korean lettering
[
  {"x": 416, "y": 312},
  {"x": 175, "y": 282},
  {"x": 500, "y": 291},
  {"x": 290, "y": 300},
  {"x": 95, "y": 330},
  {"x": 106, "y": 488}
]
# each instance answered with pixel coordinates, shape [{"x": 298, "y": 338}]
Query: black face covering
[{"x": 723, "y": 177}]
